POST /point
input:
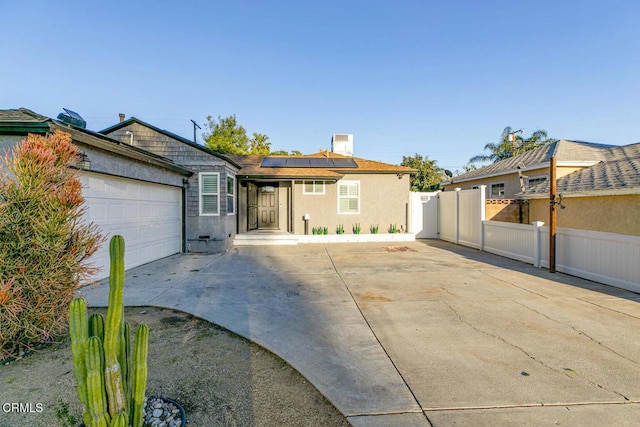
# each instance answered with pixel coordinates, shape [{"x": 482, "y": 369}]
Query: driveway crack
[
  {"x": 513, "y": 284},
  {"x": 580, "y": 332},
  {"x": 522, "y": 350},
  {"x": 532, "y": 357}
]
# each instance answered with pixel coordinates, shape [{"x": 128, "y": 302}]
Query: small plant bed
[{"x": 218, "y": 377}]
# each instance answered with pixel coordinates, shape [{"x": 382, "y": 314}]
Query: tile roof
[
  {"x": 564, "y": 151},
  {"x": 251, "y": 167},
  {"x": 619, "y": 173}
]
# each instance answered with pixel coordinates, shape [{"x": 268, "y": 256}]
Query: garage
[{"x": 148, "y": 215}]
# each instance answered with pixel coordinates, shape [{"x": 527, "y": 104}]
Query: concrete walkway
[{"x": 420, "y": 333}]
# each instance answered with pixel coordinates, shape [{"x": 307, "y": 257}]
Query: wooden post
[{"x": 552, "y": 215}]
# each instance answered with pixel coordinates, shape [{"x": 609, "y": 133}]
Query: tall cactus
[
  {"x": 78, "y": 329},
  {"x": 97, "y": 400},
  {"x": 111, "y": 383},
  {"x": 113, "y": 329},
  {"x": 139, "y": 375}
]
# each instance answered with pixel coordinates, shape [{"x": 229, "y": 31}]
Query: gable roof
[
  {"x": 22, "y": 120},
  {"x": 251, "y": 167},
  {"x": 618, "y": 174},
  {"x": 172, "y": 135},
  {"x": 567, "y": 153}
]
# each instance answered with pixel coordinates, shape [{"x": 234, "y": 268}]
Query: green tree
[
  {"x": 428, "y": 175},
  {"x": 511, "y": 144},
  {"x": 226, "y": 136},
  {"x": 259, "y": 144},
  {"x": 286, "y": 153}
]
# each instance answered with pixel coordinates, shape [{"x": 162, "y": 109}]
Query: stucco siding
[
  {"x": 383, "y": 201},
  {"x": 613, "y": 214}
]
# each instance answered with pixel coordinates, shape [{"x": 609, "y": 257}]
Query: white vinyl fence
[{"x": 609, "y": 258}]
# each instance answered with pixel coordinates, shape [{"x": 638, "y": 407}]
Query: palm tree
[{"x": 511, "y": 144}]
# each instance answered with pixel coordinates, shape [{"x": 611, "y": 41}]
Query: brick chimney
[{"x": 121, "y": 115}]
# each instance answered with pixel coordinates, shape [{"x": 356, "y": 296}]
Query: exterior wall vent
[{"x": 342, "y": 143}]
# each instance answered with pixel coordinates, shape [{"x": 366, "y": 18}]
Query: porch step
[{"x": 265, "y": 239}]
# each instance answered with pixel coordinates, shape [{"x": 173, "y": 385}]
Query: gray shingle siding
[{"x": 221, "y": 228}]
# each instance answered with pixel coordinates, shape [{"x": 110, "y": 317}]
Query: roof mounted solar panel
[
  {"x": 307, "y": 162},
  {"x": 273, "y": 162},
  {"x": 72, "y": 118},
  {"x": 297, "y": 162},
  {"x": 344, "y": 163}
]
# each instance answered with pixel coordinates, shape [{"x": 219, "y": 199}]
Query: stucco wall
[
  {"x": 614, "y": 214},
  {"x": 511, "y": 181},
  {"x": 383, "y": 201},
  {"x": 220, "y": 229}
]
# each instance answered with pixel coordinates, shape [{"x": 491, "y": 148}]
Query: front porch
[{"x": 266, "y": 237}]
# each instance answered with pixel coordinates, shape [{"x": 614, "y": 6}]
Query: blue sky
[{"x": 439, "y": 78}]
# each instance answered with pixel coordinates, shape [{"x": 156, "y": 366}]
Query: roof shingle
[
  {"x": 251, "y": 167},
  {"x": 618, "y": 173}
]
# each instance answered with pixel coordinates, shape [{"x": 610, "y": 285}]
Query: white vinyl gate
[
  {"x": 147, "y": 215},
  {"x": 424, "y": 215}
]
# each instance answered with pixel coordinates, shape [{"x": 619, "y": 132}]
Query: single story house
[
  {"x": 294, "y": 194},
  {"x": 509, "y": 177},
  {"x": 211, "y": 203},
  {"x": 506, "y": 179},
  {"x": 128, "y": 191},
  {"x": 166, "y": 194},
  {"x": 602, "y": 197}
]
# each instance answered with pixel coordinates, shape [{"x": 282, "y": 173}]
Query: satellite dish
[{"x": 448, "y": 173}]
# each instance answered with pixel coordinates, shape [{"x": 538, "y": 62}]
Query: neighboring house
[
  {"x": 128, "y": 191},
  {"x": 211, "y": 203},
  {"x": 508, "y": 177},
  {"x": 294, "y": 194},
  {"x": 602, "y": 197}
]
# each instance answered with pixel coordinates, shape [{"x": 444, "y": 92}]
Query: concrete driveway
[{"x": 421, "y": 333}]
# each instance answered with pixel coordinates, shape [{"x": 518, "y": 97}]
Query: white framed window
[
  {"x": 209, "y": 193},
  {"x": 231, "y": 195},
  {"x": 535, "y": 181},
  {"x": 349, "y": 197},
  {"x": 496, "y": 191},
  {"x": 313, "y": 187}
]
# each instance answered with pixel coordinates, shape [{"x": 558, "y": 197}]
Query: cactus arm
[
  {"x": 139, "y": 374},
  {"x": 95, "y": 386},
  {"x": 96, "y": 326},
  {"x": 126, "y": 364},
  {"x": 124, "y": 354},
  {"x": 120, "y": 420},
  {"x": 79, "y": 337},
  {"x": 112, "y": 374}
]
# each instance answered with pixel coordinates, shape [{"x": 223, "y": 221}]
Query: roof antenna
[{"x": 195, "y": 125}]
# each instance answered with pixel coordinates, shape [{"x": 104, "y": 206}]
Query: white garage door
[{"x": 147, "y": 215}]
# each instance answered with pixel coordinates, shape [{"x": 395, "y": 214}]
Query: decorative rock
[{"x": 161, "y": 413}]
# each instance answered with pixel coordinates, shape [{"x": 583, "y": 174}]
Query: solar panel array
[{"x": 307, "y": 162}]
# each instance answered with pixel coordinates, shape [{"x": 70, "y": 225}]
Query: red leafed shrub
[{"x": 44, "y": 242}]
